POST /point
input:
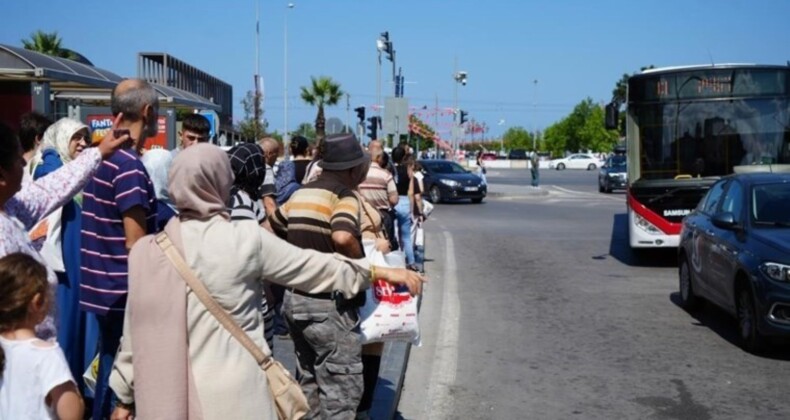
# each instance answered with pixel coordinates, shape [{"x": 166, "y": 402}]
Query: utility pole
[
  {"x": 436, "y": 125},
  {"x": 534, "y": 115},
  {"x": 456, "y": 126},
  {"x": 285, "y": 82},
  {"x": 256, "y": 78},
  {"x": 348, "y": 114}
]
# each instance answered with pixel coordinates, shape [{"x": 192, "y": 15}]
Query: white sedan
[{"x": 576, "y": 161}]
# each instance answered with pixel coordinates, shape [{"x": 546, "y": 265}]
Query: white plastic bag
[{"x": 389, "y": 313}]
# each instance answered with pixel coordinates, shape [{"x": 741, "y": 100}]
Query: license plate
[{"x": 470, "y": 188}]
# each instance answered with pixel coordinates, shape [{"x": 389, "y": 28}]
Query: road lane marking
[
  {"x": 440, "y": 401},
  {"x": 585, "y": 194}
]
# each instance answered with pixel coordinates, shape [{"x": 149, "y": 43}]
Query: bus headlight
[
  {"x": 648, "y": 227},
  {"x": 776, "y": 271}
]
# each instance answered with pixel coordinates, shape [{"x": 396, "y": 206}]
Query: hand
[
  {"x": 110, "y": 143},
  {"x": 121, "y": 413},
  {"x": 410, "y": 279},
  {"x": 383, "y": 245}
]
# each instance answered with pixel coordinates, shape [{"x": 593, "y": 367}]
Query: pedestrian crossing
[{"x": 564, "y": 196}]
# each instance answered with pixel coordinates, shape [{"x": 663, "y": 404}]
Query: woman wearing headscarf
[
  {"x": 78, "y": 331},
  {"x": 157, "y": 164},
  {"x": 249, "y": 170},
  {"x": 176, "y": 360}
]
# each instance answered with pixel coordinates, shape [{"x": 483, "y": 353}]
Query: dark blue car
[
  {"x": 445, "y": 180},
  {"x": 735, "y": 252}
]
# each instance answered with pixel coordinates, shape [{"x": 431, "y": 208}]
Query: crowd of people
[{"x": 97, "y": 322}]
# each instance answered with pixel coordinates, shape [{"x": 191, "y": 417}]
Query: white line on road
[
  {"x": 584, "y": 193},
  {"x": 440, "y": 401}
]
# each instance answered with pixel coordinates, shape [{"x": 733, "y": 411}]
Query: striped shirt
[
  {"x": 243, "y": 208},
  {"x": 316, "y": 210},
  {"x": 120, "y": 183},
  {"x": 378, "y": 186}
]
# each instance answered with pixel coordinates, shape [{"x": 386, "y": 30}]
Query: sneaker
[{"x": 285, "y": 336}]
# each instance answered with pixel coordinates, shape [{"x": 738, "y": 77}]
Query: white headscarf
[
  {"x": 58, "y": 136},
  {"x": 157, "y": 163}
]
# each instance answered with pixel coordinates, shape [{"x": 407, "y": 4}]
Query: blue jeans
[
  {"x": 110, "y": 331},
  {"x": 535, "y": 177},
  {"x": 403, "y": 213}
]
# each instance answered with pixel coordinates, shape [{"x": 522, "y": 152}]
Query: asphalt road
[{"x": 536, "y": 309}]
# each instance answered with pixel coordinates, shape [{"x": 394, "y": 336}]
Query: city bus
[{"x": 687, "y": 127}]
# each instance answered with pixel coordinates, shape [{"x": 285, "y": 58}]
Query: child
[{"x": 35, "y": 380}]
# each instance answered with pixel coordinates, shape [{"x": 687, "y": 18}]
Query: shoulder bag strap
[
  {"x": 197, "y": 286},
  {"x": 361, "y": 201}
]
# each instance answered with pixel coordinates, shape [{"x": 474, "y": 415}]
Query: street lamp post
[{"x": 285, "y": 82}]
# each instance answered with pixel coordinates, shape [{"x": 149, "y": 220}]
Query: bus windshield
[
  {"x": 709, "y": 137},
  {"x": 704, "y": 121}
]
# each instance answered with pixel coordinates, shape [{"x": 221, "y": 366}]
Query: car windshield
[
  {"x": 445, "y": 167},
  {"x": 770, "y": 203},
  {"x": 617, "y": 162}
]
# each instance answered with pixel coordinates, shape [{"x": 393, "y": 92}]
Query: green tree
[
  {"x": 48, "y": 43},
  {"x": 517, "y": 138},
  {"x": 582, "y": 129},
  {"x": 323, "y": 91},
  {"x": 305, "y": 130},
  {"x": 248, "y": 127}
]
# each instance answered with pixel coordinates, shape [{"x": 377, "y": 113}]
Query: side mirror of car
[{"x": 725, "y": 220}]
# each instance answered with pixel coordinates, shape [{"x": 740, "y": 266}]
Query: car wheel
[
  {"x": 688, "y": 300},
  {"x": 477, "y": 200},
  {"x": 591, "y": 167},
  {"x": 607, "y": 188},
  {"x": 751, "y": 340},
  {"x": 600, "y": 187},
  {"x": 560, "y": 166},
  {"x": 436, "y": 195}
]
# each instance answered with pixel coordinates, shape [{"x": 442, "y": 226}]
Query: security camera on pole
[{"x": 459, "y": 77}]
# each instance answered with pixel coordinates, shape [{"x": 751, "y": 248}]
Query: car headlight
[
  {"x": 449, "y": 182},
  {"x": 648, "y": 227},
  {"x": 776, "y": 271}
]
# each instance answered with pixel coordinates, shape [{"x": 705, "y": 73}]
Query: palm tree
[
  {"x": 47, "y": 43},
  {"x": 322, "y": 91}
]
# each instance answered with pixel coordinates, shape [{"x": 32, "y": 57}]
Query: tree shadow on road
[
  {"x": 622, "y": 251},
  {"x": 717, "y": 320}
]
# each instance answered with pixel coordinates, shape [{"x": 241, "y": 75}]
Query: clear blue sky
[{"x": 574, "y": 48}]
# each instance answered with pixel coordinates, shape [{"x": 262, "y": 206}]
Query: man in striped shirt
[
  {"x": 380, "y": 191},
  {"x": 119, "y": 207},
  {"x": 324, "y": 215}
]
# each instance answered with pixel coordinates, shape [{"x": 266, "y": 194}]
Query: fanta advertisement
[{"x": 99, "y": 125}]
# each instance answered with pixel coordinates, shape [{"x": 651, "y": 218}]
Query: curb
[
  {"x": 392, "y": 372},
  {"x": 390, "y": 383}
]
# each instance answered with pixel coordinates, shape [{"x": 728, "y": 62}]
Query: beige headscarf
[
  {"x": 200, "y": 181},
  {"x": 58, "y": 137}
]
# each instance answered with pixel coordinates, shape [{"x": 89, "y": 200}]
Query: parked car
[
  {"x": 613, "y": 174},
  {"x": 576, "y": 161},
  {"x": 735, "y": 252},
  {"x": 488, "y": 156},
  {"x": 517, "y": 154},
  {"x": 445, "y": 180}
]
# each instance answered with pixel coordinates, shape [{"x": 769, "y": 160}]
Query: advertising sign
[{"x": 100, "y": 124}]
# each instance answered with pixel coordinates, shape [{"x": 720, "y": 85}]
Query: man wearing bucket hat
[{"x": 324, "y": 215}]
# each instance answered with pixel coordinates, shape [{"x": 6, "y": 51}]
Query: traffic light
[
  {"x": 462, "y": 117},
  {"x": 360, "y": 114},
  {"x": 373, "y": 127}
]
